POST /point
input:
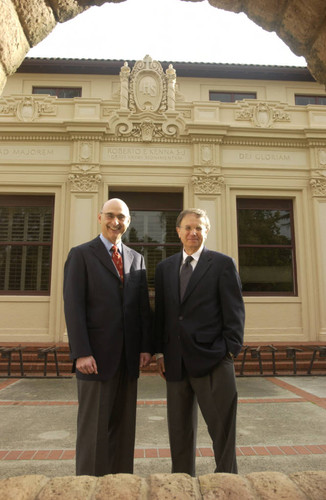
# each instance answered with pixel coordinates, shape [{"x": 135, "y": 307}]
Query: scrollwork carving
[
  {"x": 28, "y": 108},
  {"x": 262, "y": 114}
]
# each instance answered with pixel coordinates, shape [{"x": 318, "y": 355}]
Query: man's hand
[
  {"x": 161, "y": 366},
  {"x": 86, "y": 365},
  {"x": 144, "y": 359}
]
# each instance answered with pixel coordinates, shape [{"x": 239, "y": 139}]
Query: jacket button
[{"x": 180, "y": 318}]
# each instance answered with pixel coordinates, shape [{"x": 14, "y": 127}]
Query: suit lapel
[
  {"x": 127, "y": 262},
  {"x": 103, "y": 255},
  {"x": 200, "y": 270},
  {"x": 173, "y": 272}
]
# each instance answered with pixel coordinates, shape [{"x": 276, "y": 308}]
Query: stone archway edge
[
  {"x": 301, "y": 25},
  {"x": 255, "y": 486}
]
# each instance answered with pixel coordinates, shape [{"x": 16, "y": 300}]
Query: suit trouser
[
  {"x": 106, "y": 425},
  {"x": 217, "y": 397}
]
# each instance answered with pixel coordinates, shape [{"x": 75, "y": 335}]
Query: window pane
[
  {"x": 266, "y": 246},
  {"x": 264, "y": 227},
  {"x": 239, "y": 96},
  {"x": 266, "y": 269},
  {"x": 230, "y": 96},
  {"x": 60, "y": 92},
  {"x": 152, "y": 230},
  {"x": 153, "y": 255},
  {"x": 153, "y": 234},
  {"x": 25, "y": 244},
  {"x": 304, "y": 100}
]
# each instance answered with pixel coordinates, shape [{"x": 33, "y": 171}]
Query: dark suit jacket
[
  {"x": 207, "y": 324},
  {"x": 102, "y": 317}
]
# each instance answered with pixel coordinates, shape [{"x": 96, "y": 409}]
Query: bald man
[{"x": 109, "y": 328}]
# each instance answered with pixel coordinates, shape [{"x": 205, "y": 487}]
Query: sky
[{"x": 167, "y": 30}]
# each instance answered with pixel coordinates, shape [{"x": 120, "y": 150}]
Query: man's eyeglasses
[
  {"x": 198, "y": 229},
  {"x": 111, "y": 216}
]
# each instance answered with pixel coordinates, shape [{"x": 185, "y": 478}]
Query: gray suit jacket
[
  {"x": 208, "y": 323},
  {"x": 102, "y": 316}
]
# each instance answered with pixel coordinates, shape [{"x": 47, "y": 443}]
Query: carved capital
[
  {"x": 207, "y": 181},
  {"x": 318, "y": 187},
  {"x": 84, "y": 178}
]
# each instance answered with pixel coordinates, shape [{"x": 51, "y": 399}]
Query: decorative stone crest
[
  {"x": 207, "y": 181},
  {"x": 206, "y": 154},
  {"x": 28, "y": 108},
  {"x": 148, "y": 87},
  {"x": 85, "y": 151},
  {"x": 84, "y": 179},
  {"x": 322, "y": 158},
  {"x": 147, "y": 103},
  {"x": 262, "y": 114}
]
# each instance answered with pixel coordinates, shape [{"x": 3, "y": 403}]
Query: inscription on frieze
[
  {"x": 144, "y": 154},
  {"x": 35, "y": 153},
  {"x": 265, "y": 157}
]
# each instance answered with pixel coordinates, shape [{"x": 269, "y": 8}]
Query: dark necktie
[
  {"x": 185, "y": 275},
  {"x": 117, "y": 259}
]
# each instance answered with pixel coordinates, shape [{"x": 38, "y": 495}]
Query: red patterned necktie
[{"x": 117, "y": 259}]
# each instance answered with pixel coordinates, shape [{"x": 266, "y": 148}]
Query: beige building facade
[{"x": 234, "y": 140}]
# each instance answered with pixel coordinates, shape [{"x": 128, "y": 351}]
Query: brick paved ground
[{"x": 281, "y": 426}]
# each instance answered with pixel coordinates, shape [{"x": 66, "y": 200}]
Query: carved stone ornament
[
  {"x": 261, "y": 114},
  {"x": 27, "y": 108},
  {"x": 206, "y": 154},
  {"x": 148, "y": 87},
  {"x": 85, "y": 151},
  {"x": 322, "y": 157},
  {"x": 84, "y": 179},
  {"x": 318, "y": 186},
  {"x": 147, "y": 103},
  {"x": 207, "y": 181}
]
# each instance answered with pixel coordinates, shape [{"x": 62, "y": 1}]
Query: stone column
[{"x": 318, "y": 186}]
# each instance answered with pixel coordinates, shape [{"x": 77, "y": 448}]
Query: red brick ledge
[
  {"x": 247, "y": 451},
  {"x": 310, "y": 485}
]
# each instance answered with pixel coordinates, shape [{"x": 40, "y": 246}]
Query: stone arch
[{"x": 301, "y": 25}]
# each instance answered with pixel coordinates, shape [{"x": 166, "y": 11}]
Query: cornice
[
  {"x": 173, "y": 140},
  {"x": 286, "y": 143},
  {"x": 220, "y": 141},
  {"x": 31, "y": 137}
]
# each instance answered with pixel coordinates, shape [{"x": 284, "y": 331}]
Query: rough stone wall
[
  {"x": 309, "y": 485},
  {"x": 301, "y": 24}
]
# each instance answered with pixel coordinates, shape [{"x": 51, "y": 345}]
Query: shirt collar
[
  {"x": 195, "y": 255},
  {"x": 108, "y": 245}
]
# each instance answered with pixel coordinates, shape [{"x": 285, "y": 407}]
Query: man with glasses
[
  {"x": 109, "y": 328},
  {"x": 199, "y": 323}
]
